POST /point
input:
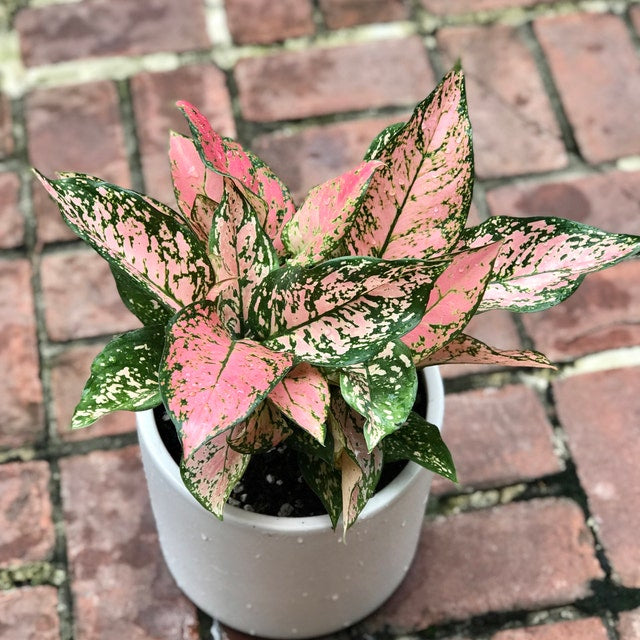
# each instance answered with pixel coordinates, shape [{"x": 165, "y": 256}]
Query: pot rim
[{"x": 148, "y": 432}]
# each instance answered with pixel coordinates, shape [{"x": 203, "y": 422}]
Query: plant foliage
[{"x": 265, "y": 323}]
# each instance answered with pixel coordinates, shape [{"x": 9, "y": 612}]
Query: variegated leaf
[
  {"x": 302, "y": 441},
  {"x": 209, "y": 381},
  {"x": 228, "y": 158},
  {"x": 341, "y": 311},
  {"x": 144, "y": 305},
  {"x": 383, "y": 141},
  {"x": 191, "y": 178},
  {"x": 543, "y": 260},
  {"x": 240, "y": 250},
  {"x": 420, "y": 441},
  {"x": 326, "y": 215},
  {"x": 417, "y": 204},
  {"x": 325, "y": 480},
  {"x": 464, "y": 349},
  {"x": 264, "y": 429},
  {"x": 124, "y": 376},
  {"x": 454, "y": 299},
  {"x": 382, "y": 389},
  {"x": 360, "y": 467},
  {"x": 211, "y": 472},
  {"x": 303, "y": 396},
  {"x": 161, "y": 254}
]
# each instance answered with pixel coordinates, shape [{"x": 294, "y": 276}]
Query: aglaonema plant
[{"x": 263, "y": 323}]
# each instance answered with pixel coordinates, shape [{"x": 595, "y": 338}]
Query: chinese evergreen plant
[{"x": 265, "y": 323}]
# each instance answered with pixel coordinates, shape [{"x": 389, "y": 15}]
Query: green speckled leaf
[
  {"x": 382, "y": 389},
  {"x": 382, "y": 143},
  {"x": 420, "y": 441},
  {"x": 325, "y": 480},
  {"x": 124, "y": 376}
]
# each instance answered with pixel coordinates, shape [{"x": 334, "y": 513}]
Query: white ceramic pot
[{"x": 287, "y": 577}]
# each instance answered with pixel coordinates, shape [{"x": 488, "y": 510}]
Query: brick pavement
[{"x": 539, "y": 541}]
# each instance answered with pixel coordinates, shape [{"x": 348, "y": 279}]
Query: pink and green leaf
[
  {"x": 543, "y": 260},
  {"x": 360, "y": 468},
  {"x": 417, "y": 204},
  {"x": 160, "y": 253},
  {"x": 421, "y": 442},
  {"x": 384, "y": 141},
  {"x": 191, "y": 178},
  {"x": 303, "y": 396},
  {"x": 454, "y": 299},
  {"x": 341, "y": 311},
  {"x": 382, "y": 389},
  {"x": 124, "y": 376},
  {"x": 211, "y": 472},
  {"x": 228, "y": 158},
  {"x": 209, "y": 381},
  {"x": 325, "y": 480},
  {"x": 318, "y": 227},
  {"x": 240, "y": 251},
  {"x": 264, "y": 429},
  {"x": 464, "y": 349}
]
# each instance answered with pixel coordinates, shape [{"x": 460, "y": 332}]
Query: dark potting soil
[{"x": 272, "y": 484}]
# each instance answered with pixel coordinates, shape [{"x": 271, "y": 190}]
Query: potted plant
[{"x": 275, "y": 333}]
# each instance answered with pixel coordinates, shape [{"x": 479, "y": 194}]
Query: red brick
[
  {"x": 29, "y": 613},
  {"x": 20, "y": 389},
  {"x": 11, "y": 220},
  {"x": 69, "y": 372},
  {"x": 81, "y": 298},
  {"x": 263, "y": 22},
  {"x": 497, "y": 437},
  {"x": 154, "y": 98},
  {"x": 601, "y": 414},
  {"x": 447, "y": 7},
  {"x": 26, "y": 527},
  {"x": 74, "y": 129},
  {"x": 515, "y": 130},
  {"x": 305, "y": 158},
  {"x": 6, "y": 136},
  {"x": 629, "y": 625},
  {"x": 495, "y": 328},
  {"x": 610, "y": 200},
  {"x": 110, "y": 28},
  {"x": 519, "y": 556},
  {"x": 309, "y": 83},
  {"x": 586, "y": 629},
  {"x": 597, "y": 73},
  {"x": 339, "y": 14},
  {"x": 603, "y": 314},
  {"x": 120, "y": 585}
]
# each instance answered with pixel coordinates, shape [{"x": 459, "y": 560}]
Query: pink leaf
[
  {"x": 211, "y": 472},
  {"x": 464, "y": 349},
  {"x": 416, "y": 206},
  {"x": 264, "y": 429},
  {"x": 209, "y": 381},
  {"x": 155, "y": 249},
  {"x": 360, "y": 467},
  {"x": 228, "y": 158},
  {"x": 240, "y": 251},
  {"x": 190, "y": 179},
  {"x": 303, "y": 396},
  {"x": 454, "y": 299},
  {"x": 327, "y": 214},
  {"x": 542, "y": 260}
]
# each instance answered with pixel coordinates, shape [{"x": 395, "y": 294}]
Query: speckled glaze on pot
[{"x": 287, "y": 577}]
